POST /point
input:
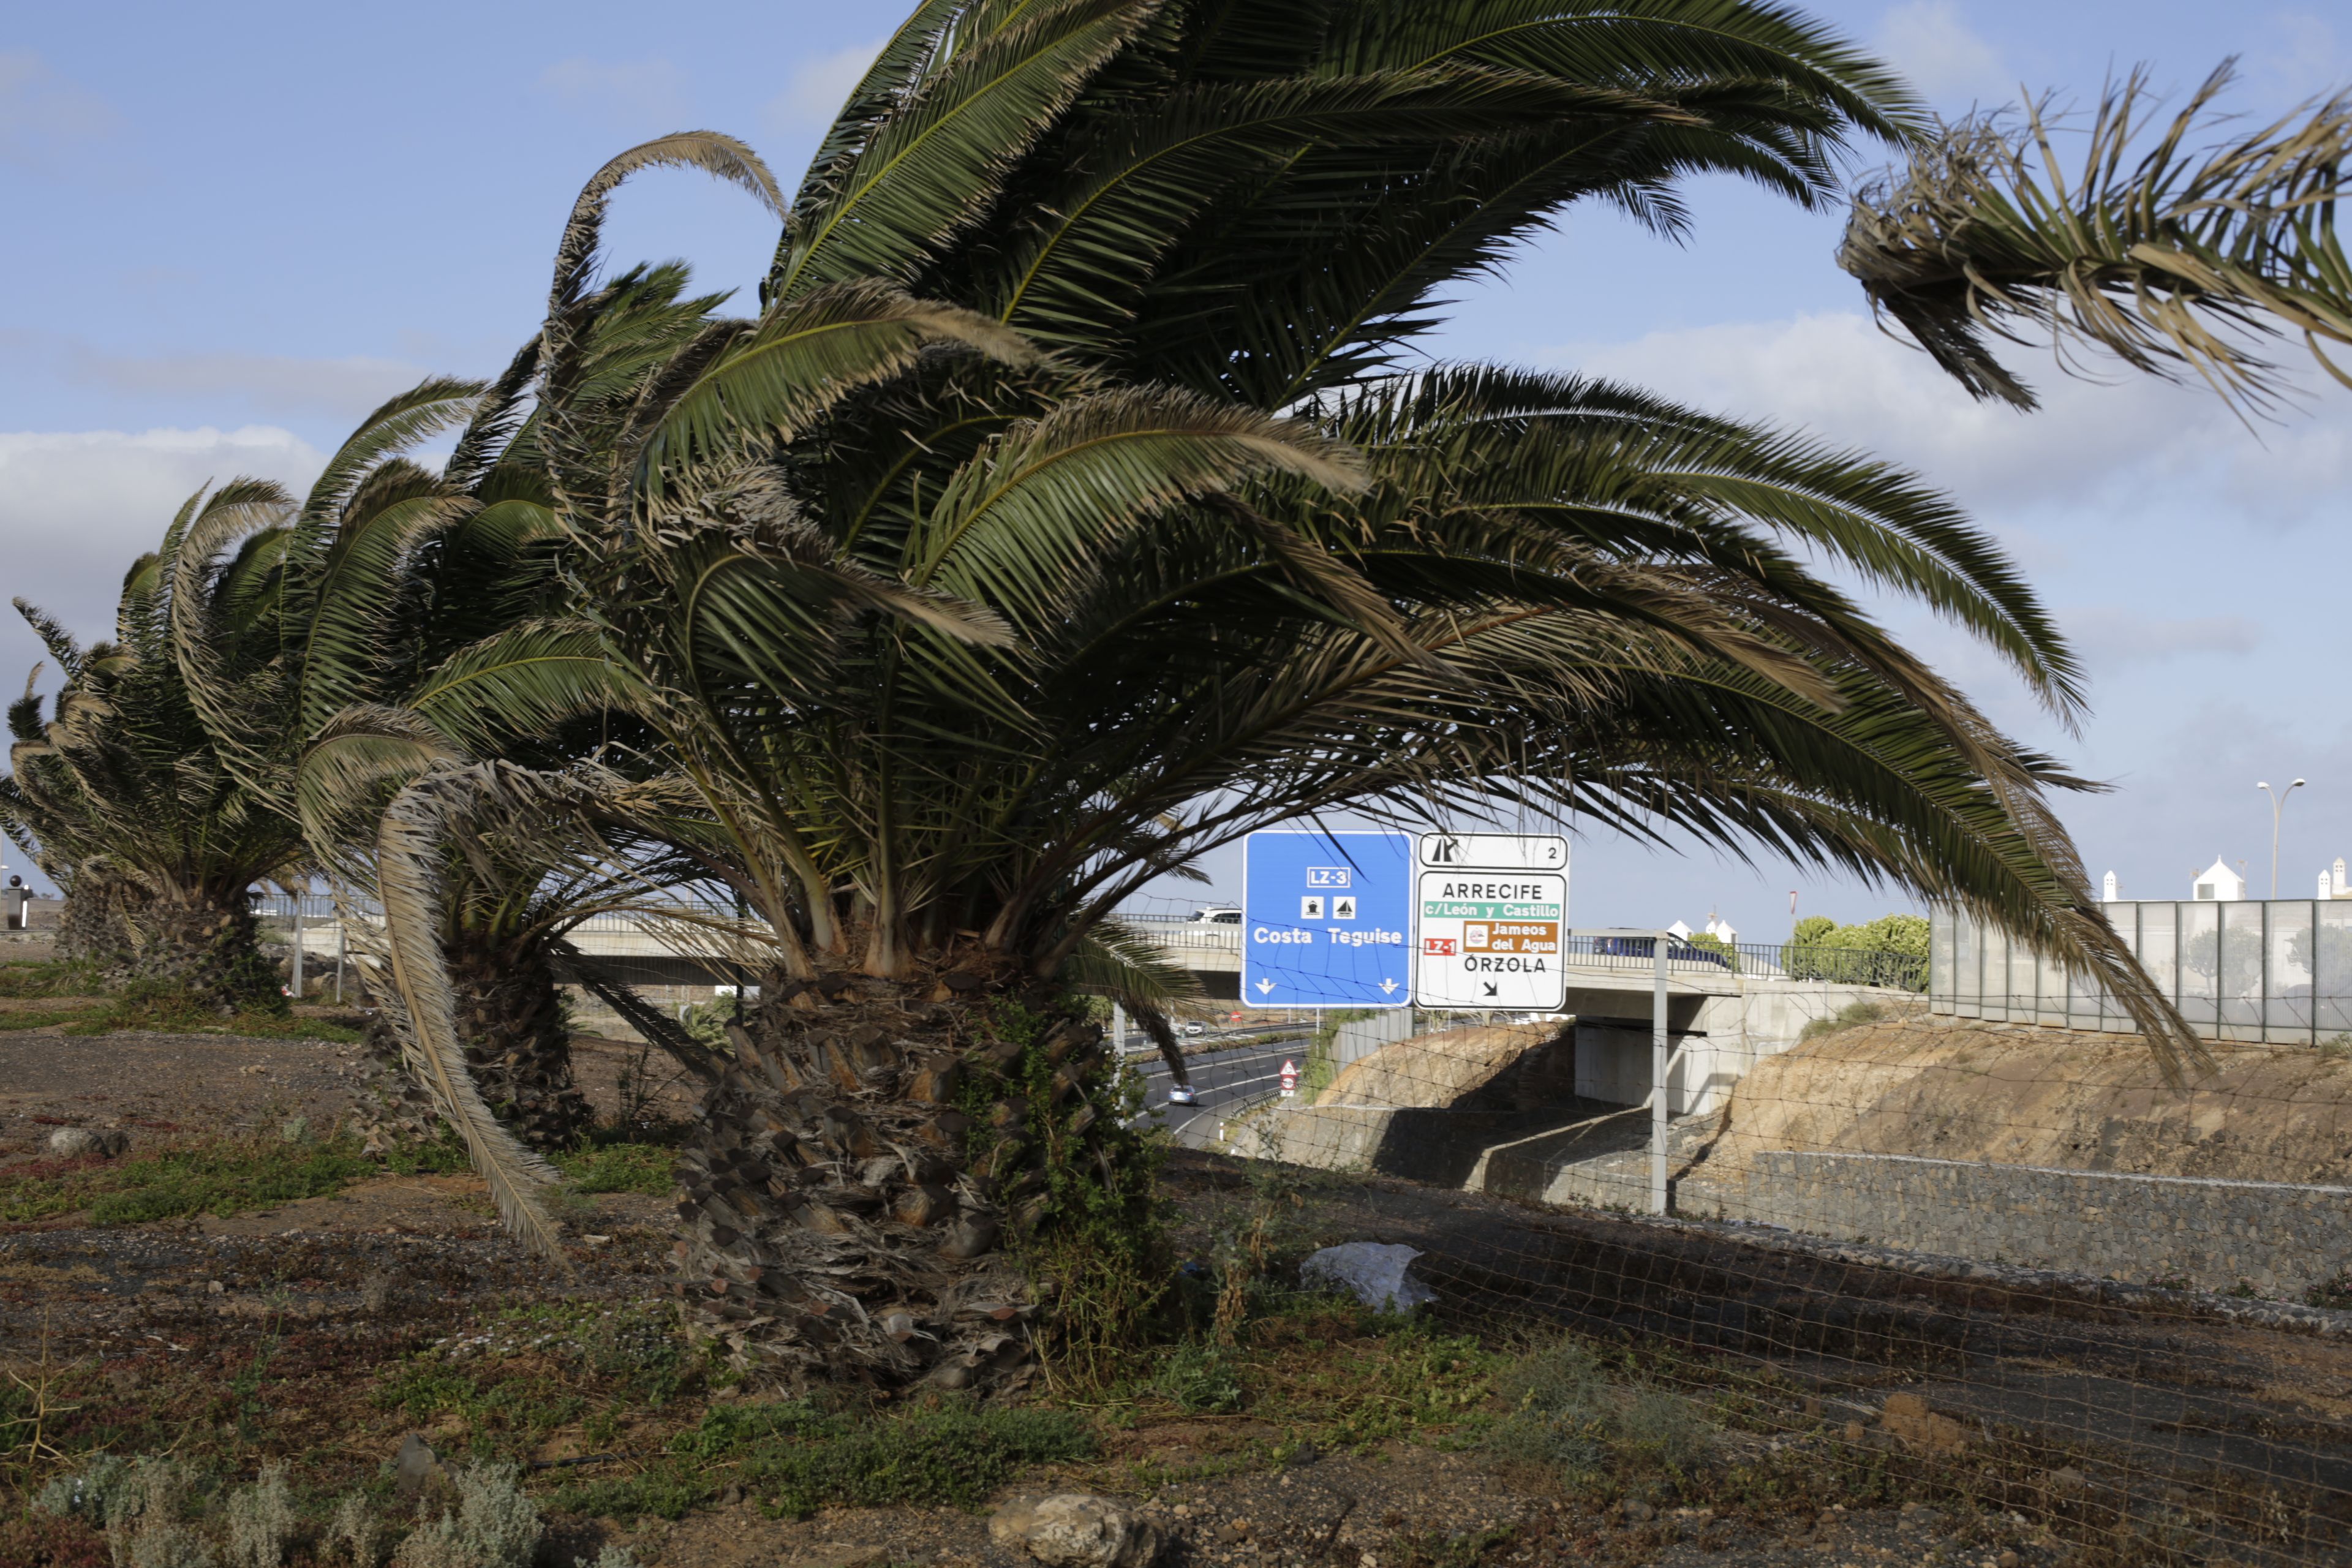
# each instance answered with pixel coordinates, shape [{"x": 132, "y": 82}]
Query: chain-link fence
[{"x": 1991, "y": 1259}]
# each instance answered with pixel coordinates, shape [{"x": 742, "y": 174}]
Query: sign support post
[{"x": 1658, "y": 1064}]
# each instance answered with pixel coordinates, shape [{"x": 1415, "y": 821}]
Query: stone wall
[{"x": 2279, "y": 1238}]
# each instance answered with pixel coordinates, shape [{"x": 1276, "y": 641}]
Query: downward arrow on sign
[
  {"x": 1264, "y": 986},
  {"x": 1387, "y": 987},
  {"x": 1490, "y": 989}
]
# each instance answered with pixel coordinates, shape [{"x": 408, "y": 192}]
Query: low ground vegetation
[
  {"x": 222, "y": 1177},
  {"x": 85, "y": 1003},
  {"x": 572, "y": 1425},
  {"x": 1853, "y": 1016},
  {"x": 581, "y": 1427}
]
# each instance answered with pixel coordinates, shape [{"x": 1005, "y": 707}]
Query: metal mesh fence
[
  {"x": 1987, "y": 1260},
  {"x": 1936, "y": 1227}
]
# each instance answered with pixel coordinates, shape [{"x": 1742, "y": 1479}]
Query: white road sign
[{"x": 1490, "y": 912}]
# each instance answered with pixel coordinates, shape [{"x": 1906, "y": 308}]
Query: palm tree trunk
[
  {"x": 871, "y": 1181},
  {"x": 200, "y": 946},
  {"x": 91, "y": 928},
  {"x": 511, "y": 1015}
]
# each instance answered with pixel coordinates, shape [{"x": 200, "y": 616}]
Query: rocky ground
[{"x": 1851, "y": 1415}]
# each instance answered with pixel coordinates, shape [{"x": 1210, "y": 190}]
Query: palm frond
[
  {"x": 925, "y": 171},
  {"x": 408, "y": 845},
  {"x": 2183, "y": 261},
  {"x": 806, "y": 355},
  {"x": 432, "y": 405}
]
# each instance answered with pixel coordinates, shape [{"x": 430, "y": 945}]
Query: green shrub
[
  {"x": 444, "y": 1156},
  {"x": 1568, "y": 1414},
  {"x": 955, "y": 1455},
  {"x": 1853, "y": 1016},
  {"x": 261, "y": 1522},
  {"x": 1706, "y": 942},
  {"x": 802, "y": 1460},
  {"x": 1890, "y": 950},
  {"x": 1200, "y": 1377},
  {"x": 60, "y": 978},
  {"x": 219, "y": 1178},
  {"x": 1813, "y": 930},
  {"x": 727, "y": 1431},
  {"x": 494, "y": 1526},
  {"x": 648, "y": 1168}
]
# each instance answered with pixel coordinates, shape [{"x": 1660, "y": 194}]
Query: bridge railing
[
  {"x": 1703, "y": 955},
  {"x": 1592, "y": 948}
]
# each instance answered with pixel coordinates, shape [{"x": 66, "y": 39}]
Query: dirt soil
[
  {"x": 1404, "y": 1507},
  {"x": 2018, "y": 1094},
  {"x": 2074, "y": 1406},
  {"x": 170, "y": 1086}
]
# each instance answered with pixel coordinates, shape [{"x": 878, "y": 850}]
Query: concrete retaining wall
[{"x": 2280, "y": 1240}]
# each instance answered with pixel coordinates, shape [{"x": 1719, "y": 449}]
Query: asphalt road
[{"x": 1225, "y": 1081}]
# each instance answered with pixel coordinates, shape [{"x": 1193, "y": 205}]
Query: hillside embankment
[{"x": 2021, "y": 1095}]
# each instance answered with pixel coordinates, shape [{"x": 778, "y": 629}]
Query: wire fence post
[
  {"x": 340, "y": 938},
  {"x": 297, "y": 947},
  {"x": 1658, "y": 1076}
]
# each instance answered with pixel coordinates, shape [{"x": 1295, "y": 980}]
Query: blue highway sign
[{"x": 1327, "y": 920}]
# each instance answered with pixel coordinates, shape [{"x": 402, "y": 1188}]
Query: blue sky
[{"x": 233, "y": 228}]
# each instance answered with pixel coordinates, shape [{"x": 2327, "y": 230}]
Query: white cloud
[
  {"x": 817, "y": 90},
  {"x": 43, "y": 115},
  {"x": 1839, "y": 377},
  {"x": 78, "y": 508},
  {"x": 1928, "y": 42},
  {"x": 630, "y": 90}
]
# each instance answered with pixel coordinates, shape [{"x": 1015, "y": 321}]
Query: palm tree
[
  {"x": 1065, "y": 514},
  {"x": 376, "y": 590},
  {"x": 122, "y": 797},
  {"x": 2182, "y": 261}
]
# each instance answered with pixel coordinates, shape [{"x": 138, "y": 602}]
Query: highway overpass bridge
[{"x": 1724, "y": 1008}]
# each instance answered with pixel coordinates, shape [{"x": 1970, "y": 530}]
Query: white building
[
  {"x": 1720, "y": 929},
  {"x": 2332, "y": 884},
  {"x": 2219, "y": 884},
  {"x": 2110, "y": 891}
]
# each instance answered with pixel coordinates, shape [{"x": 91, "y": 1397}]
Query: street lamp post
[{"x": 2278, "y": 804}]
